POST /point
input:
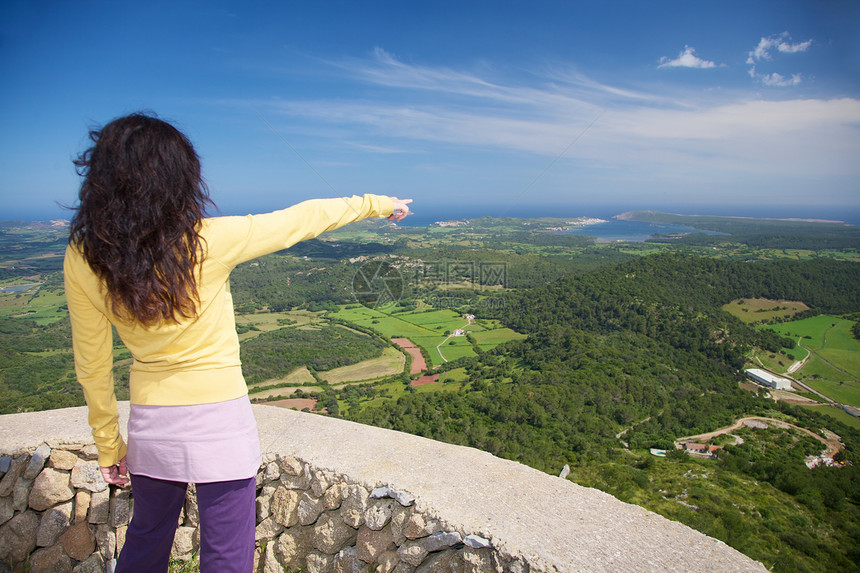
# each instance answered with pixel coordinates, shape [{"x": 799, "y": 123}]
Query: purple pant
[{"x": 227, "y": 520}]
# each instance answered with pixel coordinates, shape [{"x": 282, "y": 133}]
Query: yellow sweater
[{"x": 195, "y": 361}]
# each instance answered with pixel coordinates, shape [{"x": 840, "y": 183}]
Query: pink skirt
[{"x": 202, "y": 443}]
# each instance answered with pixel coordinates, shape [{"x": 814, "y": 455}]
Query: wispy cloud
[
  {"x": 763, "y": 52},
  {"x": 781, "y": 42},
  {"x": 686, "y": 59},
  {"x": 778, "y": 80},
  {"x": 440, "y": 111}
]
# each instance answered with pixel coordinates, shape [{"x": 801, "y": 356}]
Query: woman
[{"x": 143, "y": 258}]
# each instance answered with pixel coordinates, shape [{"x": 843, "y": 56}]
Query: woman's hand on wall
[{"x": 116, "y": 475}]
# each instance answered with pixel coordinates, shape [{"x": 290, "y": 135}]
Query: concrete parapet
[{"x": 338, "y": 496}]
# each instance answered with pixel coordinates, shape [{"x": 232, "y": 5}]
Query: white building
[{"x": 768, "y": 379}]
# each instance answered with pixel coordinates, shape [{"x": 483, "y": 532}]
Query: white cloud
[
  {"x": 686, "y": 59},
  {"x": 763, "y": 52},
  {"x": 778, "y": 80}
]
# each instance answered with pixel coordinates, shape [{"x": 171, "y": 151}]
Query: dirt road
[{"x": 831, "y": 442}]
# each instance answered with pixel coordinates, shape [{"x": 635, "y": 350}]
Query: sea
[
  {"x": 619, "y": 230},
  {"x": 425, "y": 213}
]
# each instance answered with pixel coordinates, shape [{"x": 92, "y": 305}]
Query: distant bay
[
  {"x": 634, "y": 231},
  {"x": 427, "y": 213}
]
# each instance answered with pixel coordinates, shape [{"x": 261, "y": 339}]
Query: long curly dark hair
[{"x": 137, "y": 221}]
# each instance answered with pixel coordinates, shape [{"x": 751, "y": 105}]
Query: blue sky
[{"x": 474, "y": 107}]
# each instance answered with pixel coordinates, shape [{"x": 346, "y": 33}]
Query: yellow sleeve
[
  {"x": 92, "y": 341},
  {"x": 241, "y": 239}
]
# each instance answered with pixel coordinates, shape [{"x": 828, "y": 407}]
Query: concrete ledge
[{"x": 547, "y": 522}]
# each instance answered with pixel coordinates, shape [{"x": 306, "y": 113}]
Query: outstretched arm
[{"x": 240, "y": 239}]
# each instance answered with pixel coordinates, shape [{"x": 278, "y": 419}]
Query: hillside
[
  {"x": 579, "y": 354},
  {"x": 616, "y": 349}
]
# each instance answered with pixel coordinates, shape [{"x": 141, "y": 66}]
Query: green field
[
  {"x": 427, "y": 328},
  {"x": 834, "y": 365},
  {"x": 37, "y": 303},
  {"x": 454, "y": 348},
  {"x": 751, "y": 310},
  {"x": 838, "y": 414},
  {"x": 391, "y": 362}
]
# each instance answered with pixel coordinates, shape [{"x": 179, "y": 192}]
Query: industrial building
[{"x": 768, "y": 379}]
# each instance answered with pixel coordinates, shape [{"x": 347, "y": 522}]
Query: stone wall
[
  {"x": 334, "y": 496},
  {"x": 57, "y": 514}
]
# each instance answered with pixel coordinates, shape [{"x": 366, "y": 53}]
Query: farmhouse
[
  {"x": 702, "y": 449},
  {"x": 768, "y": 379}
]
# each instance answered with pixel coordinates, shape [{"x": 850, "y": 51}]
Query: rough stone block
[
  {"x": 332, "y": 534},
  {"x": 192, "y": 510},
  {"x": 50, "y": 488},
  {"x": 346, "y": 561},
  {"x": 92, "y": 564},
  {"x": 271, "y": 563},
  {"x": 412, "y": 552},
  {"x": 481, "y": 561},
  {"x": 419, "y": 526},
  {"x": 120, "y": 538},
  {"x": 309, "y": 508},
  {"x": 271, "y": 472},
  {"x": 292, "y": 547},
  {"x": 5, "y": 464},
  {"x": 334, "y": 495},
  {"x": 379, "y": 514},
  {"x": 63, "y": 459},
  {"x": 86, "y": 475},
  {"x": 415, "y": 552},
  {"x": 319, "y": 563},
  {"x": 477, "y": 542},
  {"x": 37, "y": 461},
  {"x": 21, "y": 493},
  {"x": 16, "y": 467},
  {"x": 50, "y": 560},
  {"x": 6, "y": 509},
  {"x": 99, "y": 507},
  {"x": 78, "y": 541},
  {"x": 120, "y": 507},
  {"x": 444, "y": 561},
  {"x": 284, "y": 507},
  {"x": 82, "y": 505},
  {"x": 320, "y": 482},
  {"x": 387, "y": 562},
  {"x": 300, "y": 482},
  {"x": 18, "y": 536},
  {"x": 106, "y": 542},
  {"x": 354, "y": 506},
  {"x": 183, "y": 544},
  {"x": 90, "y": 452},
  {"x": 518, "y": 565},
  {"x": 398, "y": 525},
  {"x": 400, "y": 497},
  {"x": 53, "y": 523},
  {"x": 264, "y": 501},
  {"x": 371, "y": 544},
  {"x": 290, "y": 466},
  {"x": 267, "y": 529},
  {"x": 404, "y": 567}
]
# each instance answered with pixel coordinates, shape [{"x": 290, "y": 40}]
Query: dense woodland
[{"x": 275, "y": 354}]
